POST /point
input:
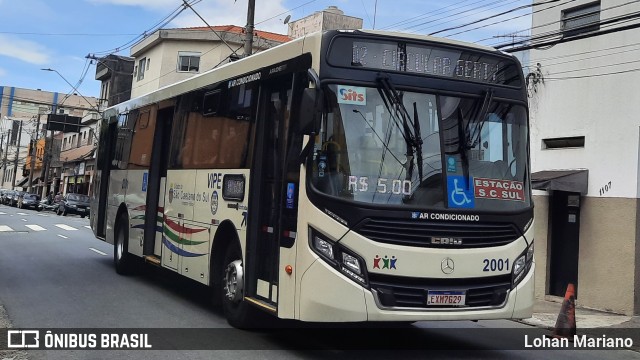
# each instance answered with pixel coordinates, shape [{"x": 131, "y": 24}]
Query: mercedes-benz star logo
[{"x": 447, "y": 265}]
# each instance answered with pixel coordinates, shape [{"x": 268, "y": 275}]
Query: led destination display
[{"x": 425, "y": 59}]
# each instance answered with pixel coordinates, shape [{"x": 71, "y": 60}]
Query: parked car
[
  {"x": 8, "y": 194},
  {"x": 29, "y": 201},
  {"x": 2, "y": 191},
  {"x": 15, "y": 196},
  {"x": 74, "y": 204}
]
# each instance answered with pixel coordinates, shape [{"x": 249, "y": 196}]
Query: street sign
[{"x": 63, "y": 122}]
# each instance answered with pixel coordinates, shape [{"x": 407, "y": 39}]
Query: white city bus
[{"x": 346, "y": 176}]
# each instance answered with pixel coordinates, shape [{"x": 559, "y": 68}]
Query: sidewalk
[{"x": 545, "y": 314}]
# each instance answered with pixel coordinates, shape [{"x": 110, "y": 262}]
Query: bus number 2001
[
  {"x": 384, "y": 186},
  {"x": 495, "y": 264}
]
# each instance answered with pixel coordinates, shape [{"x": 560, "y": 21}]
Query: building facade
[
  {"x": 585, "y": 151},
  {"x": 23, "y": 114},
  {"x": 171, "y": 55},
  {"x": 330, "y": 18},
  {"x": 116, "y": 75},
  {"x": 77, "y": 157}
]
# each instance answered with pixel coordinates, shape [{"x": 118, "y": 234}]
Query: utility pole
[
  {"x": 1, "y": 146},
  {"x": 4, "y": 160},
  {"x": 248, "y": 42},
  {"x": 15, "y": 160},
  {"x": 34, "y": 148},
  {"x": 45, "y": 164}
]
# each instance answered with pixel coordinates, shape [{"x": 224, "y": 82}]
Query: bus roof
[{"x": 277, "y": 54}]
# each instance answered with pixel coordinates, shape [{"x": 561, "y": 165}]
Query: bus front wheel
[
  {"x": 121, "y": 257},
  {"x": 239, "y": 314}
]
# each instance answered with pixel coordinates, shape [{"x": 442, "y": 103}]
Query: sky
[{"x": 40, "y": 34}]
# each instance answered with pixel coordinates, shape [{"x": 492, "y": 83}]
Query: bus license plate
[{"x": 439, "y": 297}]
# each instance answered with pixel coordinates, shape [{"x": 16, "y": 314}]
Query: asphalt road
[{"x": 55, "y": 274}]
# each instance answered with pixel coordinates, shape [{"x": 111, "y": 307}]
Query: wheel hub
[{"x": 234, "y": 281}]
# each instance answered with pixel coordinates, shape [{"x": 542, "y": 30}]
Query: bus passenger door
[
  {"x": 100, "y": 187},
  {"x": 267, "y": 191},
  {"x": 156, "y": 181}
]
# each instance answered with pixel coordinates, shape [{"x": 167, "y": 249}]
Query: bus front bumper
[{"x": 328, "y": 296}]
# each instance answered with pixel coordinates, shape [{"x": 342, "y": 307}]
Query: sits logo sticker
[{"x": 352, "y": 95}]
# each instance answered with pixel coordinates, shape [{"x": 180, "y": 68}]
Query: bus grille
[
  {"x": 420, "y": 234},
  {"x": 406, "y": 292}
]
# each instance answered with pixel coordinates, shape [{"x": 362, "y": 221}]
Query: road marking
[
  {"x": 3, "y": 213},
  {"x": 5, "y": 228},
  {"x": 65, "y": 227},
  {"x": 88, "y": 227},
  {"x": 35, "y": 227},
  {"x": 21, "y": 213},
  {"x": 43, "y": 215},
  {"x": 23, "y": 219},
  {"x": 98, "y": 251},
  {"x": 62, "y": 236}
]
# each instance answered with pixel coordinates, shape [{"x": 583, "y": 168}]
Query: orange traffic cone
[{"x": 566, "y": 323}]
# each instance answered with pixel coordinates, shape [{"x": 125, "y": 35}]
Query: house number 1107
[{"x": 605, "y": 188}]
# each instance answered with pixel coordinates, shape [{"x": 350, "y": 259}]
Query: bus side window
[
  {"x": 123, "y": 141},
  {"x": 142, "y": 139}
]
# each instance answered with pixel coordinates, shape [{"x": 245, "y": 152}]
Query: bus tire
[
  {"x": 121, "y": 257},
  {"x": 238, "y": 312}
]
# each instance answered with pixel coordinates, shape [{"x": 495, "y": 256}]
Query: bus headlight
[
  {"x": 339, "y": 257},
  {"x": 351, "y": 262},
  {"x": 323, "y": 246},
  {"x": 522, "y": 265},
  {"x": 518, "y": 265}
]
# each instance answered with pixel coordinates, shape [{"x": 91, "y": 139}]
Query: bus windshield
[{"x": 379, "y": 145}]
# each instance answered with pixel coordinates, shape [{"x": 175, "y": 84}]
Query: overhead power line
[
  {"x": 564, "y": 56},
  {"x": 558, "y": 21},
  {"x": 511, "y": 18},
  {"x": 496, "y": 15},
  {"x": 538, "y": 41},
  {"x": 63, "y": 34},
  {"x": 419, "y": 17},
  {"x": 591, "y": 76},
  {"x": 285, "y": 12},
  {"x": 158, "y": 25},
  {"x": 459, "y": 15}
]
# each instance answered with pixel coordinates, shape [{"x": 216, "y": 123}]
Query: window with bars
[
  {"x": 581, "y": 19},
  {"x": 188, "y": 61}
]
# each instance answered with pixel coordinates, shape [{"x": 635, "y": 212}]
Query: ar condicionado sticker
[{"x": 498, "y": 189}]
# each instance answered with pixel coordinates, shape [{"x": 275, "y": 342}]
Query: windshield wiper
[
  {"x": 394, "y": 104},
  {"x": 468, "y": 140},
  {"x": 480, "y": 119},
  {"x": 418, "y": 139}
]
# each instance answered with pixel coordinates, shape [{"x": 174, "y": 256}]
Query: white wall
[
  {"x": 152, "y": 76},
  {"x": 603, "y": 109},
  {"x": 163, "y": 69}
]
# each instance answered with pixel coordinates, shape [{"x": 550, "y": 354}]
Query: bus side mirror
[{"x": 310, "y": 108}]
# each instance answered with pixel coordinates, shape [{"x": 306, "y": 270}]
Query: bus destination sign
[{"x": 450, "y": 62}]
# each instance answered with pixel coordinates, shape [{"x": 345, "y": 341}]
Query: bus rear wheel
[
  {"x": 121, "y": 258},
  {"x": 239, "y": 314}
]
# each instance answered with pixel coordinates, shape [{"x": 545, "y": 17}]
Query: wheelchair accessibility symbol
[{"x": 461, "y": 194}]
